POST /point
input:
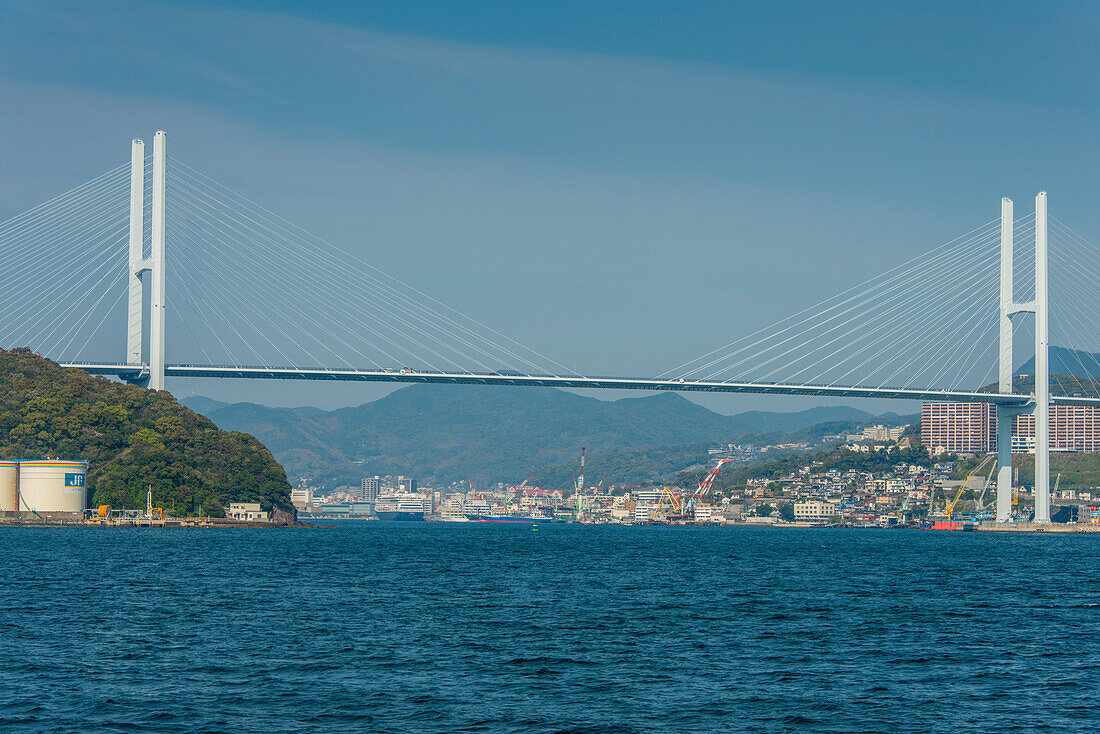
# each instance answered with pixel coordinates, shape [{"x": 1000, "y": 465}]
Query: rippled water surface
[{"x": 417, "y": 627}]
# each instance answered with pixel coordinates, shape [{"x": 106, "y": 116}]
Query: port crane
[
  {"x": 952, "y": 503},
  {"x": 708, "y": 480},
  {"x": 511, "y": 494},
  {"x": 681, "y": 504},
  {"x": 578, "y": 492},
  {"x": 669, "y": 498}
]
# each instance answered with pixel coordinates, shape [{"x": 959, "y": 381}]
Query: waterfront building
[
  {"x": 704, "y": 513},
  {"x": 623, "y": 512},
  {"x": 477, "y": 505},
  {"x": 649, "y": 496},
  {"x": 452, "y": 509},
  {"x": 248, "y": 511},
  {"x": 346, "y": 509}
]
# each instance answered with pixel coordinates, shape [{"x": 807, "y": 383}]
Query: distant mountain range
[
  {"x": 447, "y": 433},
  {"x": 1072, "y": 372},
  {"x": 1065, "y": 361}
]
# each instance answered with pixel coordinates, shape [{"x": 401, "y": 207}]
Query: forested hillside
[
  {"x": 133, "y": 438},
  {"x": 445, "y": 433}
]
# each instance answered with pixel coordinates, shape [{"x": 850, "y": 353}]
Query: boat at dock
[{"x": 401, "y": 506}]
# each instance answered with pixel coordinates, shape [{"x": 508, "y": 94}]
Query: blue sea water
[{"x": 427, "y": 627}]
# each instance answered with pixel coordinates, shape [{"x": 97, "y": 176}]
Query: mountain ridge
[
  {"x": 1066, "y": 361},
  {"x": 444, "y": 433}
]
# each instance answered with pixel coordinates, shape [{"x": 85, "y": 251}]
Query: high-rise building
[
  {"x": 371, "y": 488},
  {"x": 406, "y": 484},
  {"x": 1073, "y": 428},
  {"x": 971, "y": 428},
  {"x": 963, "y": 428}
]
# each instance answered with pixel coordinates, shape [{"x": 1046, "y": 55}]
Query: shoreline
[
  {"x": 205, "y": 523},
  {"x": 222, "y": 523}
]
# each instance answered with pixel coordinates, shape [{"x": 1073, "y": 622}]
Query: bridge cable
[{"x": 274, "y": 222}]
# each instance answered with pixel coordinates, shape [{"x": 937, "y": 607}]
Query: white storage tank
[
  {"x": 9, "y": 486},
  {"x": 52, "y": 486}
]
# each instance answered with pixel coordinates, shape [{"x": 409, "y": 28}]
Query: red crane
[{"x": 708, "y": 480}]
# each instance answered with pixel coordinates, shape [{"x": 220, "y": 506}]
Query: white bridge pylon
[
  {"x": 145, "y": 364},
  {"x": 1040, "y": 405},
  {"x": 139, "y": 265}
]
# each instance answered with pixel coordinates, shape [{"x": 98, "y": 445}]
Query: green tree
[{"x": 133, "y": 439}]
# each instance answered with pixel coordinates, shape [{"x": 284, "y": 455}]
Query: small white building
[
  {"x": 248, "y": 511},
  {"x": 301, "y": 497},
  {"x": 896, "y": 486},
  {"x": 704, "y": 513},
  {"x": 622, "y": 512}
]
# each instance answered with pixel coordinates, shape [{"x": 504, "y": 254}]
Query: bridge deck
[{"x": 605, "y": 383}]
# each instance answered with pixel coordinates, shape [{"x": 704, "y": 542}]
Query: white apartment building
[
  {"x": 479, "y": 506},
  {"x": 814, "y": 510},
  {"x": 452, "y": 508},
  {"x": 301, "y": 497},
  {"x": 878, "y": 433},
  {"x": 647, "y": 496}
]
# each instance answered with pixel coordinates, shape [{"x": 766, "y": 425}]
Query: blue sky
[{"x": 619, "y": 185}]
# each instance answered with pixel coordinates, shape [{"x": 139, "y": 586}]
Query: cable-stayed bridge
[{"x": 209, "y": 283}]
